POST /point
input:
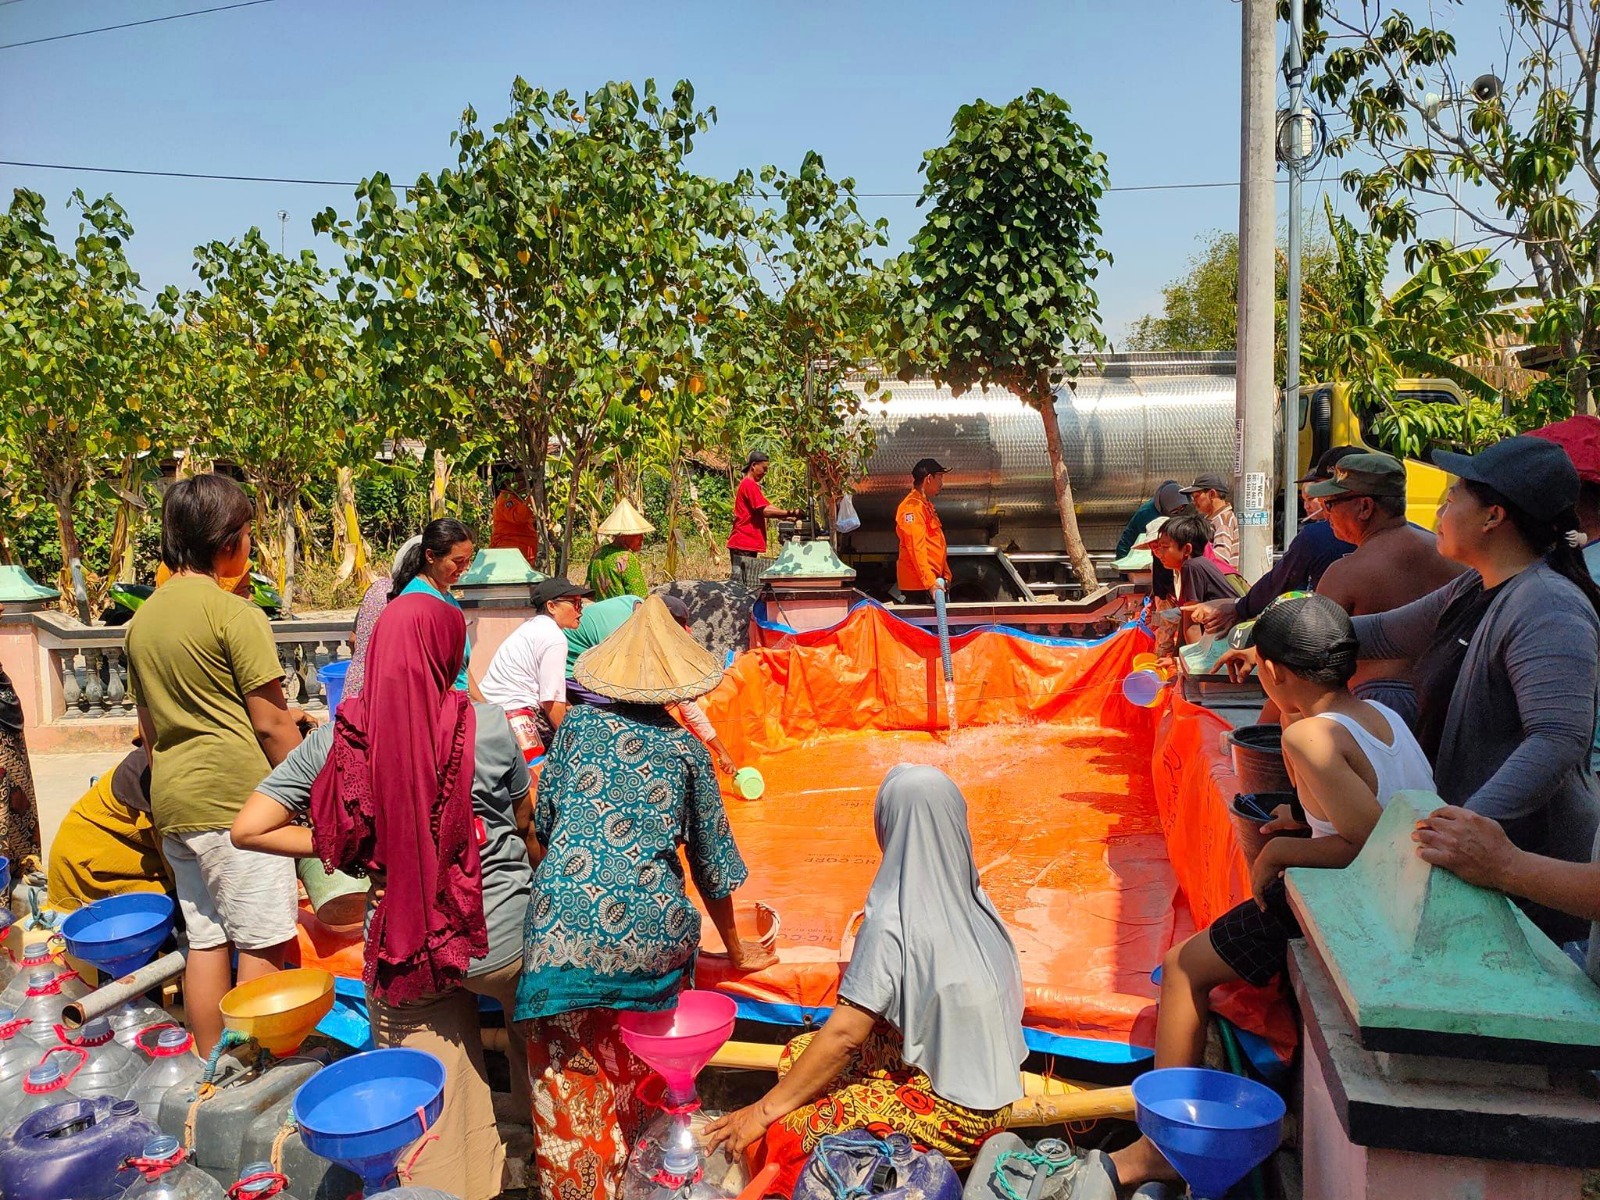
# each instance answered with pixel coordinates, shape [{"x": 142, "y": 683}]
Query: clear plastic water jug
[
  {"x": 48, "y": 992},
  {"x": 173, "y": 1064},
  {"x": 258, "y": 1181},
  {"x": 38, "y": 954},
  {"x": 17, "y": 1054},
  {"x": 167, "y": 1176},
  {"x": 110, "y": 1068},
  {"x": 132, "y": 1017},
  {"x": 669, "y": 1161},
  {"x": 46, "y": 1084}
]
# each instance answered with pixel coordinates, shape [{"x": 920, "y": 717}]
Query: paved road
[{"x": 59, "y": 779}]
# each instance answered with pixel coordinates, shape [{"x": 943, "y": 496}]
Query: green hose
[{"x": 1232, "y": 1051}]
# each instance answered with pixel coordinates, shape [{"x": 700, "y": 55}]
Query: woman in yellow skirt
[{"x": 106, "y": 844}]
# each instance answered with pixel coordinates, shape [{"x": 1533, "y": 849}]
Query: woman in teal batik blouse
[{"x": 610, "y": 926}]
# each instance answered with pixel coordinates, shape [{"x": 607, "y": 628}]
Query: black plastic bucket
[{"x": 1257, "y": 752}]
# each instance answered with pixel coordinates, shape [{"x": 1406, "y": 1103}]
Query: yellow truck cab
[{"x": 1327, "y": 419}]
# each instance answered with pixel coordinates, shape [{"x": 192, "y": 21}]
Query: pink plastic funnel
[{"x": 678, "y": 1043}]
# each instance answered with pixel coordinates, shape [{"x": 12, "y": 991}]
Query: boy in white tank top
[{"x": 1347, "y": 757}]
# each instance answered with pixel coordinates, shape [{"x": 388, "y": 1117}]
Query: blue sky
[{"x": 334, "y": 89}]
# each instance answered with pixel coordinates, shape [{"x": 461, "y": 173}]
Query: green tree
[
  {"x": 815, "y": 312},
  {"x": 1000, "y": 277},
  {"x": 546, "y": 292},
  {"x": 284, "y": 392},
  {"x": 79, "y": 359},
  {"x": 1517, "y": 160},
  {"x": 1447, "y": 310},
  {"x": 1200, "y": 308}
]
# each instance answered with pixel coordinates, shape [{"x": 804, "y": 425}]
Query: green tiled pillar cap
[
  {"x": 1413, "y": 947},
  {"x": 502, "y": 567},
  {"x": 18, "y": 587},
  {"x": 808, "y": 560}
]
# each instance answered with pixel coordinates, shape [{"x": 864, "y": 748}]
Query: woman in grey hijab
[{"x": 927, "y": 1036}]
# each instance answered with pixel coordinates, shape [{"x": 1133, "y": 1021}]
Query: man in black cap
[
  {"x": 751, "y": 512},
  {"x": 1314, "y": 549},
  {"x": 1168, "y": 501},
  {"x": 924, "y": 563},
  {"x": 1393, "y": 563},
  {"x": 1209, "y": 494}
]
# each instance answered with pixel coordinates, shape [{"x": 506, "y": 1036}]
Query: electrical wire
[
  {"x": 44, "y": 166},
  {"x": 199, "y": 12}
]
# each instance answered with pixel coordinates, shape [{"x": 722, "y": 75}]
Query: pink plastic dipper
[{"x": 679, "y": 1042}]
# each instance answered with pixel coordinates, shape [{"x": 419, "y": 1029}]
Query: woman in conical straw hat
[
  {"x": 616, "y": 568},
  {"x": 610, "y": 927}
]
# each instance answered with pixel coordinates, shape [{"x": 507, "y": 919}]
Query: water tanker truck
[{"x": 1128, "y": 425}]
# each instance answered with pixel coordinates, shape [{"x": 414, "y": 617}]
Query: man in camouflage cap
[{"x": 1393, "y": 563}]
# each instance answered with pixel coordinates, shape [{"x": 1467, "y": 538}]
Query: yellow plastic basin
[{"x": 278, "y": 1011}]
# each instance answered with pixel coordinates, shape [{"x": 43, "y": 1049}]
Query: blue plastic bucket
[{"x": 331, "y": 677}]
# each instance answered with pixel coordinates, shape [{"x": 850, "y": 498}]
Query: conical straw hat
[
  {"x": 625, "y": 519},
  {"x": 650, "y": 659}
]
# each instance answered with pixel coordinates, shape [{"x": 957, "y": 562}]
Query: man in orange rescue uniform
[{"x": 924, "y": 564}]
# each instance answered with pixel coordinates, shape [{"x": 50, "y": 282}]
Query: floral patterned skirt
[
  {"x": 586, "y": 1110},
  {"x": 19, "y": 814},
  {"x": 880, "y": 1092}
]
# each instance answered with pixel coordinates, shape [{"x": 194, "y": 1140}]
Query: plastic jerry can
[
  {"x": 222, "y": 1121},
  {"x": 866, "y": 1165},
  {"x": 258, "y": 1181},
  {"x": 310, "y": 1175},
  {"x": 173, "y": 1067},
  {"x": 78, "y": 1149},
  {"x": 167, "y": 1176},
  {"x": 111, "y": 1067}
]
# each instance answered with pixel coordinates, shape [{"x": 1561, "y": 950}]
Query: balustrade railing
[{"x": 90, "y": 663}]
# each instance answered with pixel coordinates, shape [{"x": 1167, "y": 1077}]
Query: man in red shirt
[{"x": 751, "y": 512}]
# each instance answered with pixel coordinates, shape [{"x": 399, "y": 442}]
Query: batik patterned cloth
[
  {"x": 880, "y": 1092},
  {"x": 586, "y": 1109},
  {"x": 616, "y": 571},
  {"x": 609, "y": 922},
  {"x": 19, "y": 813}
]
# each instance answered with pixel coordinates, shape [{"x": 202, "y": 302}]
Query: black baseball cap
[
  {"x": 1209, "y": 482},
  {"x": 1169, "y": 499},
  {"x": 1325, "y": 464},
  {"x": 1304, "y": 633},
  {"x": 755, "y": 457},
  {"x": 556, "y": 588},
  {"x": 925, "y": 467},
  {"x": 1533, "y": 474}
]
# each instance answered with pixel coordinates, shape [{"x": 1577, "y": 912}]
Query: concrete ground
[{"x": 59, "y": 779}]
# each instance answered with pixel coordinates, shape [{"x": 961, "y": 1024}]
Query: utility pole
[
  {"x": 1296, "y": 160},
  {"x": 1256, "y": 392}
]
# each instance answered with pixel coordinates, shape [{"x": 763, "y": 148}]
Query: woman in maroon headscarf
[{"x": 427, "y": 793}]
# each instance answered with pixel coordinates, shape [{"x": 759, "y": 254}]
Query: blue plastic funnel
[
  {"x": 120, "y": 933},
  {"x": 363, "y": 1110},
  {"x": 1212, "y": 1126}
]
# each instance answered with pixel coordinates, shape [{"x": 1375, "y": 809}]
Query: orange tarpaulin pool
[
  {"x": 1100, "y": 828},
  {"x": 1095, "y": 860}
]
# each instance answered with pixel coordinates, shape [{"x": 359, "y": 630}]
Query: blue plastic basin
[
  {"x": 331, "y": 677},
  {"x": 120, "y": 933},
  {"x": 363, "y": 1110},
  {"x": 1212, "y": 1126}
]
